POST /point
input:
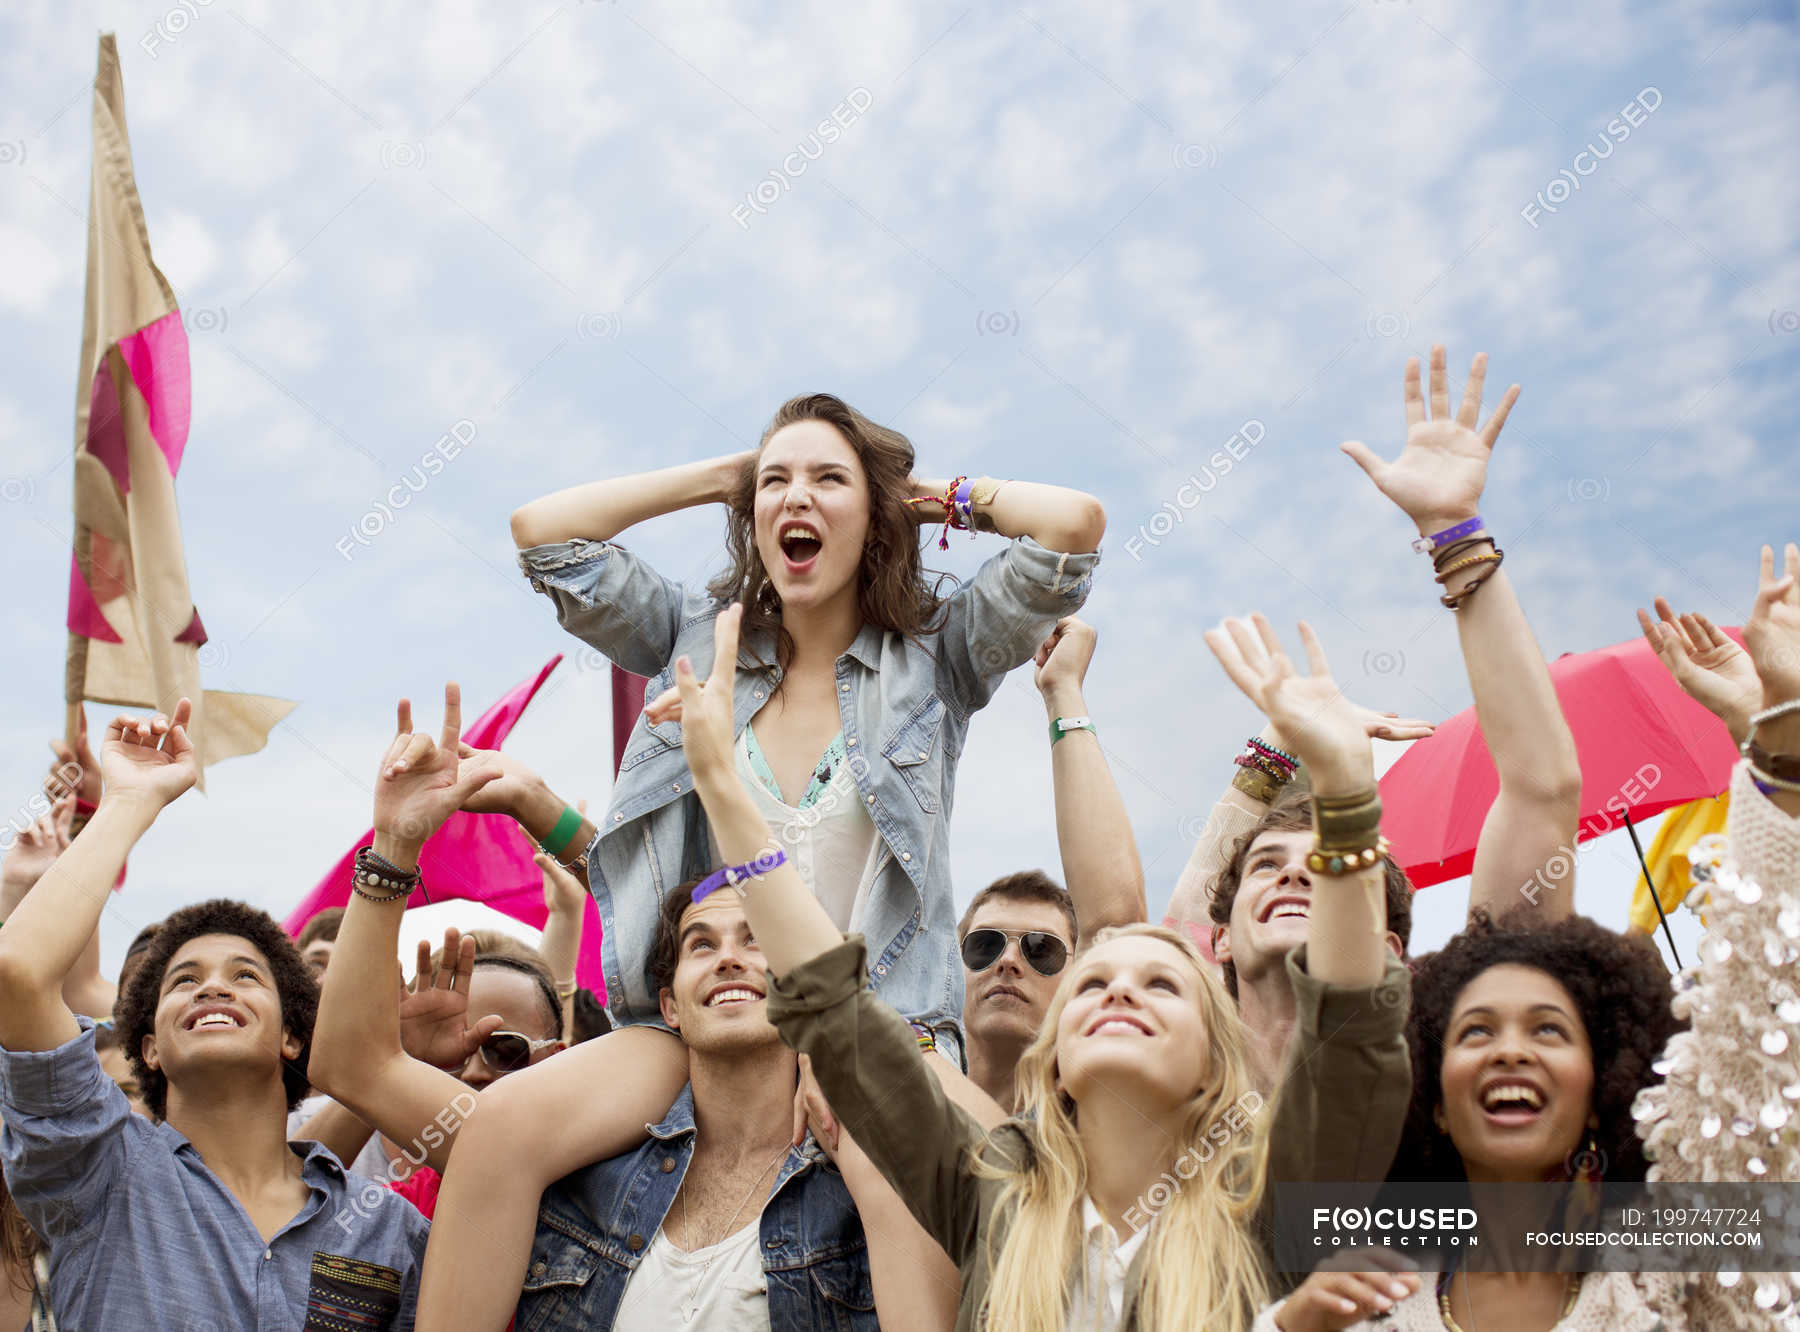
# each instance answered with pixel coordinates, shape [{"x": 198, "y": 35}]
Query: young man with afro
[{"x": 205, "y": 1214}]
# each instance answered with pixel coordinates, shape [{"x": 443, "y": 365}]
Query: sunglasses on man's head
[
  {"x": 1045, "y": 952},
  {"x": 510, "y": 1051}
]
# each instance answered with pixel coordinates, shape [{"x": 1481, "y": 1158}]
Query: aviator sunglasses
[
  {"x": 1045, "y": 952},
  {"x": 510, "y": 1051}
]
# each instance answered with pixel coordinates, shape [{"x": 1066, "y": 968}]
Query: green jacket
[{"x": 1338, "y": 1115}]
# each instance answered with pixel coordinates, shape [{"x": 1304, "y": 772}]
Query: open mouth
[
  {"x": 800, "y": 546},
  {"x": 1512, "y": 1103},
  {"x": 732, "y": 994},
  {"x": 214, "y": 1018},
  {"x": 1286, "y": 908}
]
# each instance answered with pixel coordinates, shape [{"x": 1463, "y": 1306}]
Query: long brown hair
[
  {"x": 19, "y": 1243},
  {"x": 891, "y": 589}
]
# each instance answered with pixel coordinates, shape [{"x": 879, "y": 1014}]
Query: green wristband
[
  {"x": 568, "y": 823},
  {"x": 1063, "y": 725}
]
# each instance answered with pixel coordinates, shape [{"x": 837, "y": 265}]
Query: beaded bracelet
[
  {"x": 1281, "y": 756},
  {"x": 1268, "y": 767},
  {"x": 1320, "y": 861},
  {"x": 380, "y": 880}
]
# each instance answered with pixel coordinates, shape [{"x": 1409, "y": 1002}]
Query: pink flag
[
  {"x": 134, "y": 633},
  {"x": 477, "y": 857}
]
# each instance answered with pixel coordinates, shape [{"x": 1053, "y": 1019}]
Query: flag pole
[{"x": 1654, "y": 896}]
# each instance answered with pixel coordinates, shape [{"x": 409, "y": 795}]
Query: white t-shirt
[{"x": 719, "y": 1289}]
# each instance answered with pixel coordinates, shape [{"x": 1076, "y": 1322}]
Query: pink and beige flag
[{"x": 134, "y": 632}]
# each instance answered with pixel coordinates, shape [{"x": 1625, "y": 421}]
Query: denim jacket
[
  {"x": 595, "y": 1226},
  {"x": 904, "y": 708}
]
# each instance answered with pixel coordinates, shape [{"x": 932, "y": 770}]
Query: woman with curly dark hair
[{"x": 1538, "y": 1048}]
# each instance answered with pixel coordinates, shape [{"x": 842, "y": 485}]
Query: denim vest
[
  {"x": 904, "y": 707},
  {"x": 595, "y": 1226}
]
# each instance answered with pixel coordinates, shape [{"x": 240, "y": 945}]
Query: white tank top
[{"x": 830, "y": 840}]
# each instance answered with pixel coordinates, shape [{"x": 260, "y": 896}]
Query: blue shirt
[
  {"x": 143, "y": 1235},
  {"x": 595, "y": 1226},
  {"x": 904, "y": 707}
]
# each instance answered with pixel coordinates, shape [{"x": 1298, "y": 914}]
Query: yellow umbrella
[{"x": 1667, "y": 859}]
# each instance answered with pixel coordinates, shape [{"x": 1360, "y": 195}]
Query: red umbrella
[{"x": 1644, "y": 745}]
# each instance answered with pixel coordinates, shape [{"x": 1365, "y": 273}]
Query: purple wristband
[
  {"x": 965, "y": 504},
  {"x": 733, "y": 875},
  {"x": 1449, "y": 534}
]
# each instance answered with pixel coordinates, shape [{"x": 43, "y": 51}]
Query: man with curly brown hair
[{"x": 206, "y": 1212}]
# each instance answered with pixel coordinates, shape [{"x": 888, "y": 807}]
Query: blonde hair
[{"x": 1201, "y": 1265}]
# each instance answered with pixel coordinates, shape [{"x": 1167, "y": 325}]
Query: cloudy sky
[{"x": 1074, "y": 244}]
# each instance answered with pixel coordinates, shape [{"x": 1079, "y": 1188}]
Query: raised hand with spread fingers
[
  {"x": 1710, "y": 668},
  {"x": 1438, "y": 480}
]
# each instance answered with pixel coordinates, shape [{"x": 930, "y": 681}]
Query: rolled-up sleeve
[
  {"x": 999, "y": 618},
  {"x": 612, "y": 600},
  {"x": 868, "y": 1064},
  {"x": 62, "y": 1142}
]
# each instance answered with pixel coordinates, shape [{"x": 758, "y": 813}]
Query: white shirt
[
  {"x": 717, "y": 1289},
  {"x": 1098, "y": 1301}
]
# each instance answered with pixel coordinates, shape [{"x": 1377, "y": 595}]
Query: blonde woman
[{"x": 1126, "y": 1195}]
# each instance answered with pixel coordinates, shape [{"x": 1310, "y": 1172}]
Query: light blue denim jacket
[{"x": 905, "y": 711}]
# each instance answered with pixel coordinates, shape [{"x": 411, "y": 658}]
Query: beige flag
[{"x": 134, "y": 633}]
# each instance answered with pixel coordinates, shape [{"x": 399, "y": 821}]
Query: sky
[{"x": 1085, "y": 245}]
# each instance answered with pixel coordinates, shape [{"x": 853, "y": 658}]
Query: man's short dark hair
[
  {"x": 1295, "y": 814},
  {"x": 295, "y": 989},
  {"x": 665, "y": 951},
  {"x": 540, "y": 976},
  {"x": 1025, "y": 886},
  {"x": 321, "y": 928}
]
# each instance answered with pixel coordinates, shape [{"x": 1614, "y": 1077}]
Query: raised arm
[
  {"x": 357, "y": 1056},
  {"x": 565, "y": 899},
  {"x": 1236, "y": 812},
  {"x": 33, "y": 851},
  {"x": 600, "y": 510},
  {"x": 1057, "y": 518},
  {"x": 864, "y": 1055},
  {"x": 1346, "y": 927},
  {"x": 1099, "y": 851},
  {"x": 147, "y": 763},
  {"x": 1438, "y": 481},
  {"x": 1733, "y": 1001}
]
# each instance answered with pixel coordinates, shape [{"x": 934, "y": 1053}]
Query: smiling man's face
[
  {"x": 1006, "y": 1002},
  {"x": 218, "y": 1008},
  {"x": 717, "y": 998}
]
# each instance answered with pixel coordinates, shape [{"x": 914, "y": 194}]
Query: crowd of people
[{"x": 820, "y": 1098}]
